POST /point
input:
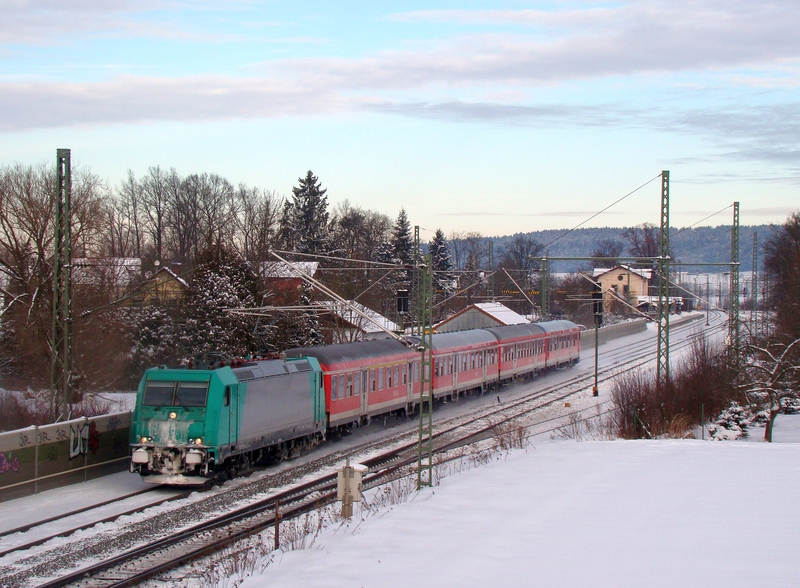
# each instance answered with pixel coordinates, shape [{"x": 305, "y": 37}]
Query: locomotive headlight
[
  {"x": 198, "y": 441},
  {"x": 144, "y": 439},
  {"x": 173, "y": 415}
]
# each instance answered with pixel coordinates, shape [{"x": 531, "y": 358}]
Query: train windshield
[
  {"x": 191, "y": 394},
  {"x": 158, "y": 393},
  {"x": 184, "y": 394}
]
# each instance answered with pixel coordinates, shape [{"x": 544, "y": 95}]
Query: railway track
[{"x": 133, "y": 561}]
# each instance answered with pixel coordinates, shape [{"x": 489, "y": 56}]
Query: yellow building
[{"x": 624, "y": 282}]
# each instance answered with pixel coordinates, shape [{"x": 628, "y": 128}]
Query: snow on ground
[{"x": 603, "y": 514}]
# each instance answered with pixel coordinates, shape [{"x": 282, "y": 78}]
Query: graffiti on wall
[
  {"x": 7, "y": 464},
  {"x": 83, "y": 438}
]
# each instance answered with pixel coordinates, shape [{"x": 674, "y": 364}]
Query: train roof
[
  {"x": 353, "y": 352},
  {"x": 472, "y": 337},
  {"x": 554, "y": 326},
  {"x": 270, "y": 367},
  {"x": 513, "y": 332}
]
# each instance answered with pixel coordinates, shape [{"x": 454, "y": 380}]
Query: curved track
[{"x": 148, "y": 544}]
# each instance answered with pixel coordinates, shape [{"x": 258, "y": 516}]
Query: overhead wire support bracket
[
  {"x": 426, "y": 397},
  {"x": 662, "y": 368}
]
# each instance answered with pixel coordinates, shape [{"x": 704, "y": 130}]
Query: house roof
[
  {"x": 282, "y": 270},
  {"x": 643, "y": 273},
  {"x": 498, "y": 312},
  {"x": 170, "y": 273},
  {"x": 119, "y": 271},
  {"x": 347, "y": 313},
  {"x": 501, "y": 313}
]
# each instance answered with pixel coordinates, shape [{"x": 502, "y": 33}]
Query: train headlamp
[
  {"x": 198, "y": 441},
  {"x": 173, "y": 415},
  {"x": 144, "y": 439}
]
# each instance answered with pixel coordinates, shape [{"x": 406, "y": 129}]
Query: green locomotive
[{"x": 192, "y": 424}]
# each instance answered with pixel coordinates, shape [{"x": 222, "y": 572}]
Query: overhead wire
[
  {"x": 576, "y": 227},
  {"x": 701, "y": 220}
]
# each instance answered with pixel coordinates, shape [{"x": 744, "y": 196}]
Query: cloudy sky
[{"x": 497, "y": 117}]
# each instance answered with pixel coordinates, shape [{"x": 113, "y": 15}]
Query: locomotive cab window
[
  {"x": 158, "y": 393},
  {"x": 191, "y": 394},
  {"x": 185, "y": 394}
]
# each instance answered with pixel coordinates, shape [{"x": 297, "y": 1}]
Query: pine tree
[
  {"x": 402, "y": 243},
  {"x": 442, "y": 262},
  {"x": 305, "y": 224}
]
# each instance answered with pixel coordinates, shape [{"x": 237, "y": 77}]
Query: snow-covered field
[{"x": 602, "y": 514}]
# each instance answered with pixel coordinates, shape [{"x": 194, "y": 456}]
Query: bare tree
[
  {"x": 155, "y": 204},
  {"x": 256, "y": 226},
  {"x": 774, "y": 374},
  {"x": 643, "y": 240},
  {"x": 518, "y": 253},
  {"x": 608, "y": 248}
]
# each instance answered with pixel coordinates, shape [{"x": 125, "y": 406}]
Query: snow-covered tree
[
  {"x": 773, "y": 371},
  {"x": 295, "y": 329},
  {"x": 216, "y": 287},
  {"x": 402, "y": 242},
  {"x": 782, "y": 261},
  {"x": 304, "y": 225},
  {"x": 154, "y": 338},
  {"x": 442, "y": 263}
]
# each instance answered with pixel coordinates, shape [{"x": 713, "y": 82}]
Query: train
[{"x": 218, "y": 417}]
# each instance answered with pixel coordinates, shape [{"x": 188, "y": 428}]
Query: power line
[
  {"x": 602, "y": 211},
  {"x": 701, "y": 220}
]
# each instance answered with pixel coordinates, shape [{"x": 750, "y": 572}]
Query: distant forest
[{"x": 695, "y": 245}]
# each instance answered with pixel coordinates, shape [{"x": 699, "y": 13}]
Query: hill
[{"x": 694, "y": 245}]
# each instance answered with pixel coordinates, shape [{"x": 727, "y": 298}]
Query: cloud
[
  {"x": 51, "y": 22},
  {"x": 132, "y": 100}
]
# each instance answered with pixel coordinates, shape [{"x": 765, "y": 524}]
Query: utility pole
[
  {"x": 425, "y": 313},
  {"x": 662, "y": 373},
  {"x": 61, "y": 343},
  {"x": 491, "y": 270},
  {"x": 754, "y": 286},
  {"x": 733, "y": 310},
  {"x": 708, "y": 300},
  {"x": 545, "y": 287},
  {"x": 415, "y": 285}
]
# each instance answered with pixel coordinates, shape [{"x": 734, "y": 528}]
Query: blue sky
[{"x": 498, "y": 117}]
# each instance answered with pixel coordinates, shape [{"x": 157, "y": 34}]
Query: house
[
  {"x": 625, "y": 281},
  {"x": 480, "y": 316},
  {"x": 343, "y": 323},
  {"x": 164, "y": 288},
  {"x": 284, "y": 278}
]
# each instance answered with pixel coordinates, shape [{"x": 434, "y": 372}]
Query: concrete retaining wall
[{"x": 40, "y": 458}]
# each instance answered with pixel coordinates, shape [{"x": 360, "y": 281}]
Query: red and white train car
[
  {"x": 525, "y": 350},
  {"x": 365, "y": 378},
  {"x": 370, "y": 378}
]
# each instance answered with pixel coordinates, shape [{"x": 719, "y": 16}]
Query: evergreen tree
[
  {"x": 219, "y": 285},
  {"x": 442, "y": 266},
  {"x": 402, "y": 243},
  {"x": 305, "y": 226},
  {"x": 292, "y": 330},
  {"x": 154, "y": 337}
]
